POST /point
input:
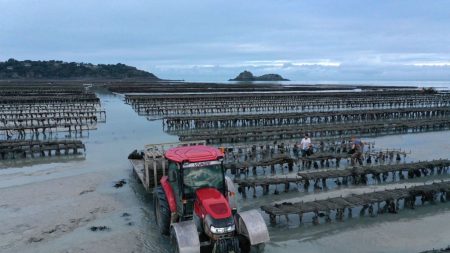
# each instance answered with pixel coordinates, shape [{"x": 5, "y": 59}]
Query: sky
[{"x": 214, "y": 40}]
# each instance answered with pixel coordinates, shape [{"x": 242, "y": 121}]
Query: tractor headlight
[{"x": 223, "y": 230}]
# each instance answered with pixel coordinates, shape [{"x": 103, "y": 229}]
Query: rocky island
[{"x": 248, "y": 76}]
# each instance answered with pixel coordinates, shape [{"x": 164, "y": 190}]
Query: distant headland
[
  {"x": 14, "y": 69},
  {"x": 248, "y": 76}
]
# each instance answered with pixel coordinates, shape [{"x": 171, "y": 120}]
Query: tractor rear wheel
[{"x": 161, "y": 210}]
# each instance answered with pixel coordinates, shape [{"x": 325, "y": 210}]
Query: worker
[
  {"x": 356, "y": 150},
  {"x": 305, "y": 144},
  {"x": 310, "y": 149}
]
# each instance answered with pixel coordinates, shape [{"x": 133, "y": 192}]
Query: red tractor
[{"x": 195, "y": 205}]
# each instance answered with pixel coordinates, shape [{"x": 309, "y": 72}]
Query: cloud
[
  {"x": 196, "y": 39},
  {"x": 323, "y": 63},
  {"x": 272, "y": 64},
  {"x": 431, "y": 64}
]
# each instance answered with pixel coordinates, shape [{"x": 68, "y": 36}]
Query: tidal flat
[{"x": 61, "y": 205}]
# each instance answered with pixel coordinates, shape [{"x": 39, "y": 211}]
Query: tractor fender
[
  {"x": 231, "y": 193},
  {"x": 169, "y": 194},
  {"x": 252, "y": 225},
  {"x": 186, "y": 236}
]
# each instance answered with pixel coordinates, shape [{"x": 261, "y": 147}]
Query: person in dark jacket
[{"x": 356, "y": 151}]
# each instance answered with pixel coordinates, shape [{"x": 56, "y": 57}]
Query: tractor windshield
[{"x": 205, "y": 176}]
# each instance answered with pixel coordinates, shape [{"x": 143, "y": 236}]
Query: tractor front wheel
[
  {"x": 246, "y": 247},
  {"x": 174, "y": 242},
  {"x": 259, "y": 248},
  {"x": 161, "y": 210}
]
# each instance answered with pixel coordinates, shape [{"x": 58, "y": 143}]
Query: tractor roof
[{"x": 193, "y": 154}]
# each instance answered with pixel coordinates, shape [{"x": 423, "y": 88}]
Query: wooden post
[
  {"x": 146, "y": 174},
  {"x": 155, "y": 172}
]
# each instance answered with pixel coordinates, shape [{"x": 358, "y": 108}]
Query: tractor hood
[{"x": 213, "y": 203}]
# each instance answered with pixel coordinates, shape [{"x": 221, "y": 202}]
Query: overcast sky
[{"x": 215, "y": 40}]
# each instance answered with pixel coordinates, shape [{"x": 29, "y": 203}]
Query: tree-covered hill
[{"x": 14, "y": 69}]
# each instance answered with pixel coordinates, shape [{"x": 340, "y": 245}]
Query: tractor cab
[{"x": 193, "y": 168}]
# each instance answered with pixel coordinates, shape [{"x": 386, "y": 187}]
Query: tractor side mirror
[
  {"x": 231, "y": 193},
  {"x": 172, "y": 172},
  {"x": 172, "y": 176}
]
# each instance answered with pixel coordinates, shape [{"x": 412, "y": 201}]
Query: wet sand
[{"x": 52, "y": 207}]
